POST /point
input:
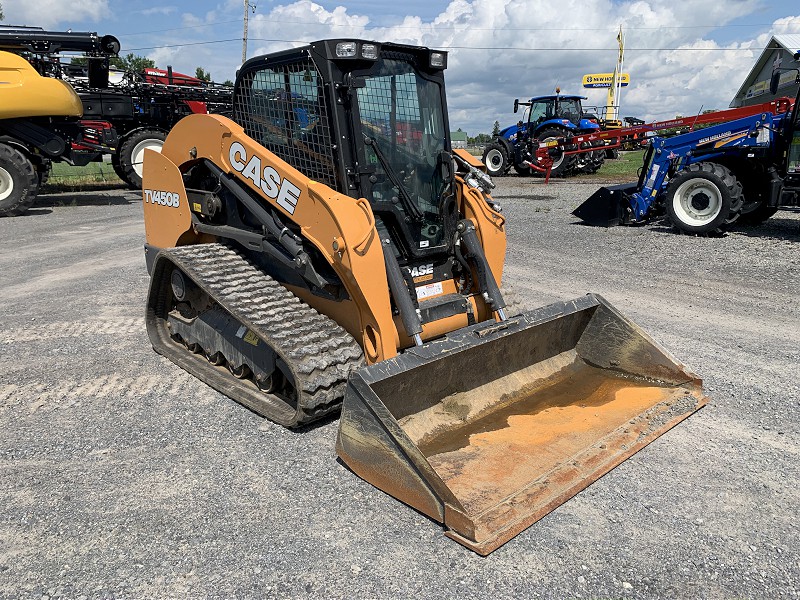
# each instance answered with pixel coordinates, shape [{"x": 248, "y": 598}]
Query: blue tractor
[
  {"x": 548, "y": 117},
  {"x": 704, "y": 180}
]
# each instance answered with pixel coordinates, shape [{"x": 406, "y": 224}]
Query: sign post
[{"x": 613, "y": 81}]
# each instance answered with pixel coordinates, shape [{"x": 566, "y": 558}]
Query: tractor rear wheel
[
  {"x": 117, "y": 167},
  {"x": 704, "y": 198},
  {"x": 753, "y": 215},
  {"x": 562, "y": 164},
  {"x": 19, "y": 182},
  {"x": 523, "y": 171},
  {"x": 495, "y": 157},
  {"x": 131, "y": 154},
  {"x": 593, "y": 160}
]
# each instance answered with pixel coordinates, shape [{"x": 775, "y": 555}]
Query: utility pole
[{"x": 247, "y": 8}]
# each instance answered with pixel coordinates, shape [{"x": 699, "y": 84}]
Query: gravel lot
[{"x": 122, "y": 476}]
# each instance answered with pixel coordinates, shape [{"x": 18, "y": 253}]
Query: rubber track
[{"x": 320, "y": 354}]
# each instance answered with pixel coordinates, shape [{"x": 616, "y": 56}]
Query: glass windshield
[
  {"x": 541, "y": 111},
  {"x": 403, "y": 128},
  {"x": 570, "y": 110}
]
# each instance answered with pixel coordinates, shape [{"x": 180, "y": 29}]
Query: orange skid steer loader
[{"x": 325, "y": 249}]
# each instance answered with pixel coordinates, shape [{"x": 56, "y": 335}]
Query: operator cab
[
  {"x": 367, "y": 119},
  {"x": 790, "y": 134}
]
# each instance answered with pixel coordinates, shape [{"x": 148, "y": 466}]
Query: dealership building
[{"x": 779, "y": 52}]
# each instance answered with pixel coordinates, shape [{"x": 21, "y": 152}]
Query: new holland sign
[{"x": 603, "y": 80}]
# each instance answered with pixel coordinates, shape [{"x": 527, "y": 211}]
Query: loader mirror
[
  {"x": 774, "y": 81},
  {"x": 516, "y": 104}
]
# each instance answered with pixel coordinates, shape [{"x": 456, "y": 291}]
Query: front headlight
[
  {"x": 369, "y": 51},
  {"x": 345, "y": 49},
  {"x": 438, "y": 60}
]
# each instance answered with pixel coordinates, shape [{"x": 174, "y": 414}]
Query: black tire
[
  {"x": 598, "y": 156},
  {"x": 756, "y": 213},
  {"x": 523, "y": 171},
  {"x": 43, "y": 170},
  {"x": 495, "y": 157},
  {"x": 755, "y": 209},
  {"x": 612, "y": 153},
  {"x": 593, "y": 160},
  {"x": 583, "y": 163},
  {"x": 131, "y": 151},
  {"x": 117, "y": 167},
  {"x": 19, "y": 182},
  {"x": 564, "y": 164},
  {"x": 703, "y": 198}
]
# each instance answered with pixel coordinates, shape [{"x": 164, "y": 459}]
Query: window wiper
[{"x": 412, "y": 209}]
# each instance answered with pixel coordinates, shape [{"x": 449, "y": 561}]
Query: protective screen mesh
[
  {"x": 403, "y": 127},
  {"x": 283, "y": 108}
]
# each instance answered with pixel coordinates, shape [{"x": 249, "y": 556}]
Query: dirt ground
[{"x": 121, "y": 476}]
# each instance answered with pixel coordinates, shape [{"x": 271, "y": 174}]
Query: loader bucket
[
  {"x": 494, "y": 426},
  {"x": 607, "y": 207}
]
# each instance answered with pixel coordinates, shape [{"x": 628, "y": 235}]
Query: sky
[{"x": 682, "y": 56}]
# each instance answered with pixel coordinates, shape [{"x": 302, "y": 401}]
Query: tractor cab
[
  {"x": 788, "y": 142},
  {"x": 792, "y": 131},
  {"x": 557, "y": 110}
]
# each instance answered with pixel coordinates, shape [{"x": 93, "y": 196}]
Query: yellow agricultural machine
[
  {"x": 326, "y": 249},
  {"x": 40, "y": 114}
]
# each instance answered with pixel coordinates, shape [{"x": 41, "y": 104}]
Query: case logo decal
[{"x": 282, "y": 191}]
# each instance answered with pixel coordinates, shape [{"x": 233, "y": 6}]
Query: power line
[
  {"x": 505, "y": 48},
  {"x": 463, "y": 26},
  {"x": 178, "y": 28},
  {"x": 189, "y": 44}
]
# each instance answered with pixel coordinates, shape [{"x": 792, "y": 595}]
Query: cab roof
[{"x": 559, "y": 96}]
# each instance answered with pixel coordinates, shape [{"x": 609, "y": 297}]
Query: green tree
[
  {"x": 202, "y": 74},
  {"x": 134, "y": 62},
  {"x": 480, "y": 139},
  {"x": 496, "y": 128},
  {"x": 131, "y": 62},
  {"x": 227, "y": 82},
  {"x": 1, "y": 12}
]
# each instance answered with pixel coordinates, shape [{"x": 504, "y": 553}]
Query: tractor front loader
[{"x": 326, "y": 250}]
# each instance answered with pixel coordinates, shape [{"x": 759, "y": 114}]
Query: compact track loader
[{"x": 325, "y": 249}]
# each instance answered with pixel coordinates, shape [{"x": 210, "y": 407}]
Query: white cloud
[
  {"x": 529, "y": 48},
  {"x": 304, "y": 21},
  {"x": 787, "y": 25},
  {"x": 51, "y": 13}
]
